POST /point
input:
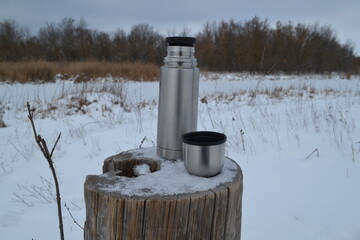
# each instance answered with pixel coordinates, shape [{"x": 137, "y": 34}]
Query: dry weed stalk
[
  {"x": 315, "y": 151},
  {"x": 142, "y": 142},
  {"x": 2, "y": 123},
  {"x": 48, "y": 156}
]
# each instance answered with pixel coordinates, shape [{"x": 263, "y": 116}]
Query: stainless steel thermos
[{"x": 178, "y": 96}]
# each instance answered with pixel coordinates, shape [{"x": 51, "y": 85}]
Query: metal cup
[{"x": 203, "y": 152}]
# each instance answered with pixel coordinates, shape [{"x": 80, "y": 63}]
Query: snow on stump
[{"x": 142, "y": 196}]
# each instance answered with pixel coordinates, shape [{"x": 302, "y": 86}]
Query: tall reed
[{"x": 44, "y": 71}]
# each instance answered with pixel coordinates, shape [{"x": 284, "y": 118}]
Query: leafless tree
[{"x": 252, "y": 45}]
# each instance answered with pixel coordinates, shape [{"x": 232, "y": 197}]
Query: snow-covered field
[{"x": 297, "y": 140}]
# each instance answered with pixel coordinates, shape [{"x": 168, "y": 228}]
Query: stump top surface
[{"x": 170, "y": 179}]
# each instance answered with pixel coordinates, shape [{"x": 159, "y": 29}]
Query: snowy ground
[{"x": 297, "y": 140}]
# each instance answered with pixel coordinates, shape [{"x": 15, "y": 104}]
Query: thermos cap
[{"x": 181, "y": 41}]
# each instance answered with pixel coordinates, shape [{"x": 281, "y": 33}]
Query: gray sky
[{"x": 165, "y": 15}]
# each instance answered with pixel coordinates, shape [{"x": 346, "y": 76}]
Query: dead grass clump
[
  {"x": 329, "y": 91},
  {"x": 79, "y": 104},
  {"x": 43, "y": 71},
  {"x": 312, "y": 92},
  {"x": 277, "y": 93},
  {"x": 204, "y": 100},
  {"x": 253, "y": 94}
]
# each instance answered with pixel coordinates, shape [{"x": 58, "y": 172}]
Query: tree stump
[{"x": 164, "y": 202}]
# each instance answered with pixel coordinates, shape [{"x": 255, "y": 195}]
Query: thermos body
[{"x": 178, "y": 97}]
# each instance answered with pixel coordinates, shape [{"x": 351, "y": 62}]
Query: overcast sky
[{"x": 165, "y": 15}]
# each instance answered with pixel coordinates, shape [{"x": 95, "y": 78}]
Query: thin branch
[
  {"x": 57, "y": 140},
  {"x": 21, "y": 200},
  {"x": 45, "y": 150},
  {"x": 142, "y": 142},
  {"x": 30, "y": 116},
  {"x": 19, "y": 151},
  {"x": 40, "y": 193},
  {"x": 317, "y": 153},
  {"x": 36, "y": 192},
  {"x": 76, "y": 205},
  {"x": 73, "y": 217}
]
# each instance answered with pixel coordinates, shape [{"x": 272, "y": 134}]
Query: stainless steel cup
[
  {"x": 203, "y": 152},
  {"x": 178, "y": 97}
]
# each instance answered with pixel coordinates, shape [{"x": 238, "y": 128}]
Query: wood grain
[{"x": 213, "y": 214}]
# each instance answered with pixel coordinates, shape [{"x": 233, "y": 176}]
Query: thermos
[{"x": 178, "y": 96}]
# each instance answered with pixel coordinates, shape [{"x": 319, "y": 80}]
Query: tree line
[
  {"x": 253, "y": 45},
  {"x": 71, "y": 40}
]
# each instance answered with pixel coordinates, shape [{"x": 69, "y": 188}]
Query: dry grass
[
  {"x": 2, "y": 123},
  {"x": 43, "y": 71}
]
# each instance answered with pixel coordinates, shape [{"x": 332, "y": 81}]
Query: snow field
[{"x": 297, "y": 140}]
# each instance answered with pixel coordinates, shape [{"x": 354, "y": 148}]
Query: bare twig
[
  {"x": 22, "y": 153},
  {"x": 142, "y": 141},
  {"x": 21, "y": 199},
  {"x": 77, "y": 206},
  {"x": 317, "y": 153},
  {"x": 48, "y": 156},
  {"x": 68, "y": 209},
  {"x": 39, "y": 192},
  {"x": 48, "y": 187},
  {"x": 242, "y": 139},
  {"x": 35, "y": 192},
  {"x": 57, "y": 140}
]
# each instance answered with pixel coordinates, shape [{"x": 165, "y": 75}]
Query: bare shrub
[
  {"x": 48, "y": 156},
  {"x": 44, "y": 192}
]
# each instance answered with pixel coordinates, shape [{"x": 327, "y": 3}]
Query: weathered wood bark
[{"x": 211, "y": 214}]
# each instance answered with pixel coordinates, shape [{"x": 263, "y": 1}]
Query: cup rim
[{"x": 203, "y": 138}]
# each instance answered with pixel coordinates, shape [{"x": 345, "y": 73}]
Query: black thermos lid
[{"x": 181, "y": 41}]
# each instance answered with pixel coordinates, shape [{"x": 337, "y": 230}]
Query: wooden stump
[{"x": 110, "y": 214}]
